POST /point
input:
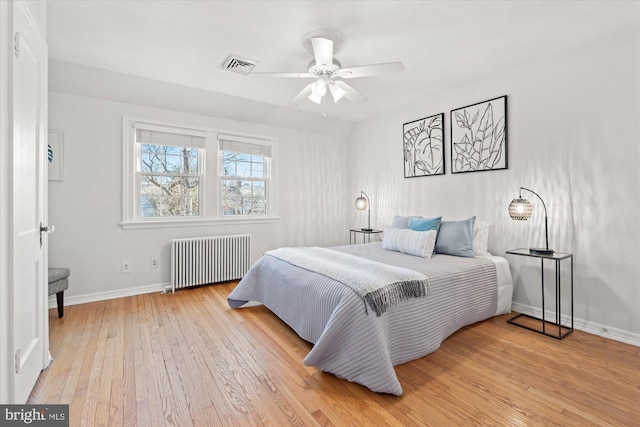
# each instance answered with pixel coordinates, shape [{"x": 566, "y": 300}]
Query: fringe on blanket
[{"x": 381, "y": 299}]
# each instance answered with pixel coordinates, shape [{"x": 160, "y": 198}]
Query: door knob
[{"x": 47, "y": 228}]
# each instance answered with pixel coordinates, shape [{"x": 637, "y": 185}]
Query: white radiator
[{"x": 203, "y": 260}]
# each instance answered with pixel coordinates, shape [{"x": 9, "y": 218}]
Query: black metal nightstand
[
  {"x": 545, "y": 325},
  {"x": 366, "y": 235}
]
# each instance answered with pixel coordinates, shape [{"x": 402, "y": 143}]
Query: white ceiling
[{"x": 443, "y": 44}]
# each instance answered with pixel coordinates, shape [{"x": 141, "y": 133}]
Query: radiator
[{"x": 203, "y": 260}]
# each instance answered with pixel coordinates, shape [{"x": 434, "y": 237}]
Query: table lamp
[
  {"x": 520, "y": 209},
  {"x": 362, "y": 203}
]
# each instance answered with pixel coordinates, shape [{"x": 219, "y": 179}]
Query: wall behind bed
[
  {"x": 87, "y": 106},
  {"x": 574, "y": 132}
]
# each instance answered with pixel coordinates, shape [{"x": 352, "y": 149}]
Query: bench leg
[{"x": 60, "y": 300}]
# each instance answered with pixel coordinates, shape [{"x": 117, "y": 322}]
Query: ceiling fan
[{"x": 328, "y": 72}]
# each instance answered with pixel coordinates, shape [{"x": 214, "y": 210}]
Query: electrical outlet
[
  {"x": 125, "y": 267},
  {"x": 155, "y": 262}
]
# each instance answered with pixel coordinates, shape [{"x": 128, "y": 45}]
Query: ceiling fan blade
[
  {"x": 302, "y": 95},
  {"x": 372, "y": 70},
  {"x": 351, "y": 94},
  {"x": 323, "y": 52},
  {"x": 286, "y": 75}
]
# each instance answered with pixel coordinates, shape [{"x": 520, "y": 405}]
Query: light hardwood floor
[{"x": 187, "y": 359}]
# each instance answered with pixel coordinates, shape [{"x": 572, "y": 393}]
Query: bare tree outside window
[{"x": 169, "y": 181}]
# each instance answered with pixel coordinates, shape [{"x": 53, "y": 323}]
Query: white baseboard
[
  {"x": 103, "y": 296},
  {"x": 582, "y": 325}
]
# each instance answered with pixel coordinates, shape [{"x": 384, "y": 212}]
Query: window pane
[
  {"x": 259, "y": 189},
  {"x": 243, "y": 169},
  {"x": 169, "y": 196},
  {"x": 241, "y": 197},
  {"x": 150, "y": 185},
  {"x": 168, "y": 159},
  {"x": 170, "y": 149},
  {"x": 148, "y": 206},
  {"x": 173, "y": 164},
  {"x": 243, "y": 157},
  {"x": 191, "y": 197},
  {"x": 257, "y": 170},
  {"x": 150, "y": 162},
  {"x": 228, "y": 164},
  {"x": 193, "y": 162},
  {"x": 258, "y": 207}
]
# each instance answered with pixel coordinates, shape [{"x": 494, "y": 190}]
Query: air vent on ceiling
[{"x": 238, "y": 64}]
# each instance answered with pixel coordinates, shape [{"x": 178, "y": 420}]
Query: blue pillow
[
  {"x": 424, "y": 224},
  {"x": 456, "y": 238},
  {"x": 401, "y": 221}
]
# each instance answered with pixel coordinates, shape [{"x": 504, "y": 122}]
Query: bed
[{"x": 352, "y": 341}]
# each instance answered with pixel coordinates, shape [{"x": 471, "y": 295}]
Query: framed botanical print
[
  {"x": 424, "y": 146},
  {"x": 479, "y": 136}
]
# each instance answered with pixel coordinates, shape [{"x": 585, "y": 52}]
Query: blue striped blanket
[{"x": 380, "y": 285}]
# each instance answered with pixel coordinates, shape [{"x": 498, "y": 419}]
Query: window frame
[
  {"x": 268, "y": 161},
  {"x": 208, "y": 167},
  {"x": 137, "y": 197}
]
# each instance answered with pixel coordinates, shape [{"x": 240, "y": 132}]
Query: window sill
[{"x": 131, "y": 225}]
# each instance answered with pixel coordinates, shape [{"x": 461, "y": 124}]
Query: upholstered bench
[{"x": 58, "y": 283}]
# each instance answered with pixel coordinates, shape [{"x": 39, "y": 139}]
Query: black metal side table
[
  {"x": 547, "y": 327},
  {"x": 366, "y": 235}
]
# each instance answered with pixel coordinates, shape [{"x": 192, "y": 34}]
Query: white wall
[
  {"x": 86, "y": 206},
  {"x": 573, "y": 135}
]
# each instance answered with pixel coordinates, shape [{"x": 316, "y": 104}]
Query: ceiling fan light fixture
[
  {"x": 315, "y": 98},
  {"x": 319, "y": 88},
  {"x": 328, "y": 72},
  {"x": 337, "y": 92}
]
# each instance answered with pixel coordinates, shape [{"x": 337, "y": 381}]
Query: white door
[{"x": 28, "y": 285}]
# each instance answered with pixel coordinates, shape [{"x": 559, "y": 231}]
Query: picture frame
[
  {"x": 479, "y": 136},
  {"x": 56, "y": 151},
  {"x": 423, "y": 146}
]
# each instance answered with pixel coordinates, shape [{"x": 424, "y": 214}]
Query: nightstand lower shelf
[{"x": 550, "y": 329}]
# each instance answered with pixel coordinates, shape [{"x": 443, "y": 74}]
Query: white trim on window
[
  {"x": 209, "y": 163},
  {"x": 255, "y": 147}
]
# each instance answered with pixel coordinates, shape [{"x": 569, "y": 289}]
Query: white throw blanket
[{"x": 380, "y": 285}]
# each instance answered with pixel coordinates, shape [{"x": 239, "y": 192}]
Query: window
[
  {"x": 244, "y": 177},
  {"x": 169, "y": 173},
  {"x": 176, "y": 175}
]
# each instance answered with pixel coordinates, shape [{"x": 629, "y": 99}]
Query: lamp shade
[
  {"x": 520, "y": 209},
  {"x": 337, "y": 92},
  {"x": 362, "y": 203},
  {"x": 315, "y": 98},
  {"x": 319, "y": 88}
]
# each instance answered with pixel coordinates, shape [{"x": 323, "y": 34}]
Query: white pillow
[
  {"x": 481, "y": 238},
  {"x": 410, "y": 242}
]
